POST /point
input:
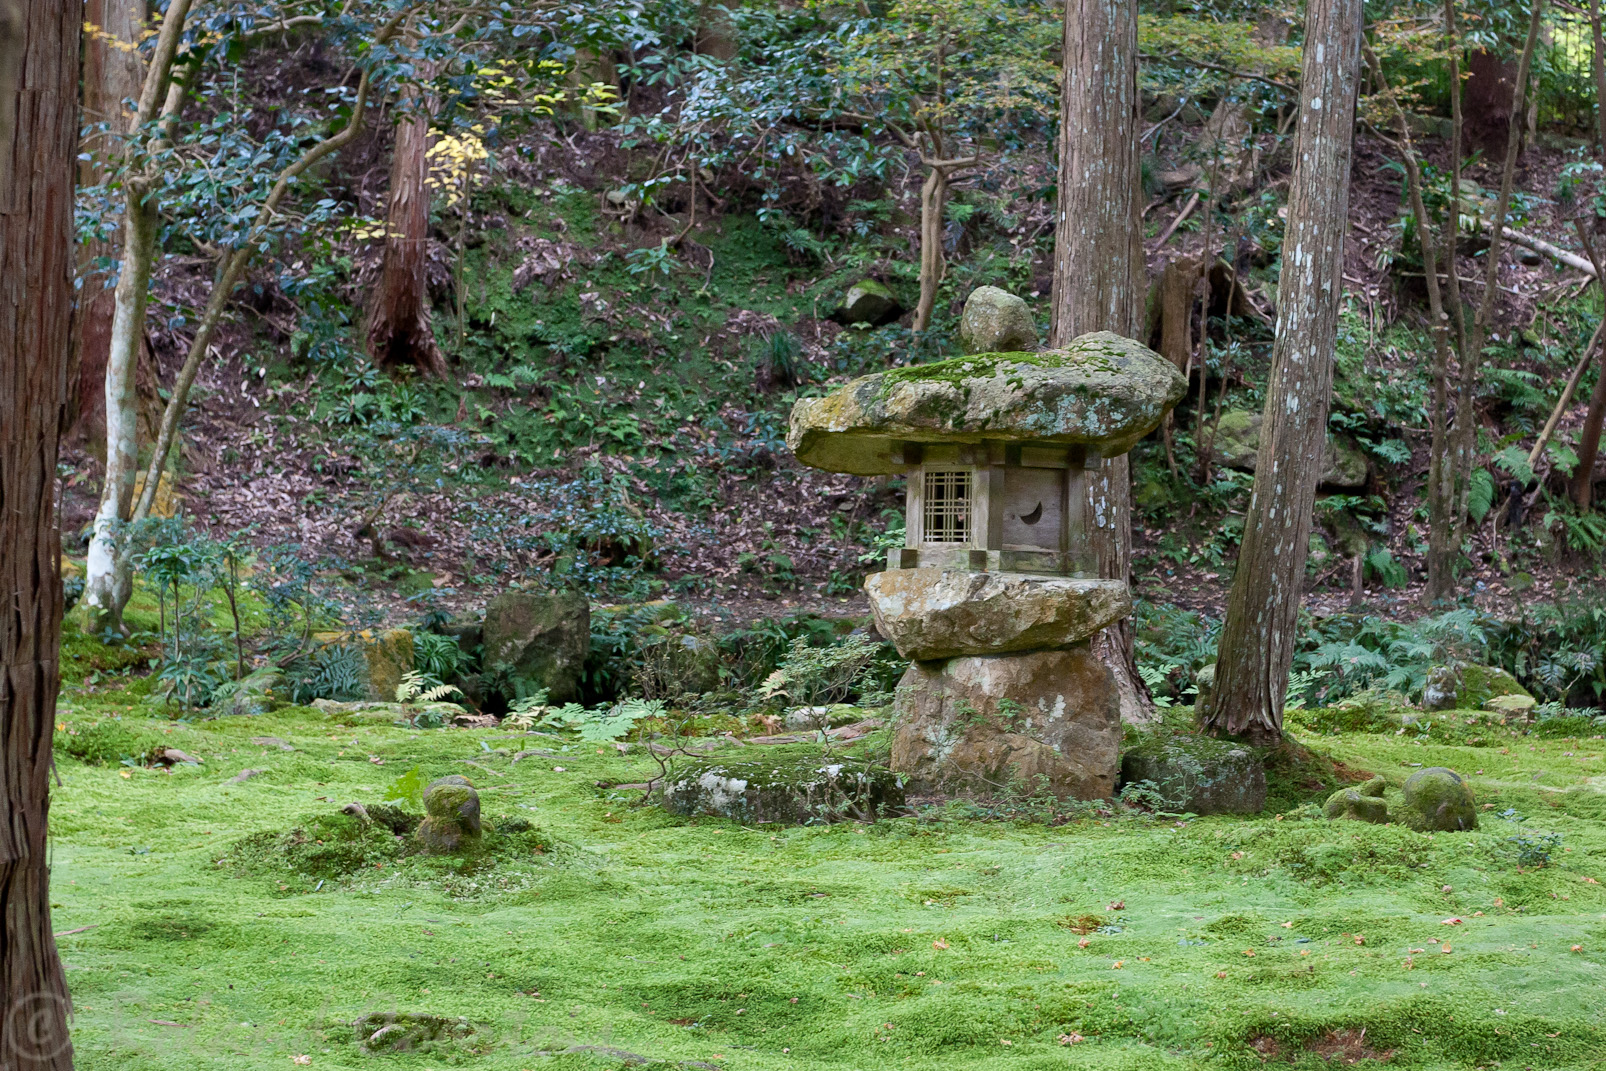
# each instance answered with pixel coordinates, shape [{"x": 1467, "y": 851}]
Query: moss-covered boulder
[
  {"x": 1198, "y": 774},
  {"x": 996, "y": 321},
  {"x": 790, "y": 792},
  {"x": 868, "y": 303},
  {"x": 1437, "y": 799},
  {"x": 542, "y": 638},
  {"x": 451, "y": 816},
  {"x": 1237, "y": 445},
  {"x": 1101, "y": 391},
  {"x": 1480, "y": 684},
  {"x": 1363, "y": 803},
  {"x": 260, "y": 692}
]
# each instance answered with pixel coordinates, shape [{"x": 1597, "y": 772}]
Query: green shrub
[{"x": 335, "y": 673}]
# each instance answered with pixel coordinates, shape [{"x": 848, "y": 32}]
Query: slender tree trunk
[
  {"x": 1257, "y": 638},
  {"x": 38, "y": 137},
  {"x": 933, "y": 201},
  {"x": 108, "y": 581},
  {"x": 1099, "y": 278},
  {"x": 112, "y": 77},
  {"x": 1589, "y": 443},
  {"x": 399, "y": 331}
]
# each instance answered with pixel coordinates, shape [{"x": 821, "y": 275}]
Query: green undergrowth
[{"x": 203, "y": 925}]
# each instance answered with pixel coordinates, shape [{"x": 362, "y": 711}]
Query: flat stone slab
[
  {"x": 1047, "y": 721},
  {"x": 937, "y": 613},
  {"x": 789, "y": 792},
  {"x": 1101, "y": 391}
]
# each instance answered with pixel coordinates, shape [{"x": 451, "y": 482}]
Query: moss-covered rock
[
  {"x": 1198, "y": 774},
  {"x": 1101, "y": 391},
  {"x": 1438, "y": 800},
  {"x": 385, "y": 1032},
  {"x": 390, "y": 657},
  {"x": 1363, "y": 803},
  {"x": 542, "y": 638},
  {"x": 996, "y": 321},
  {"x": 868, "y": 303},
  {"x": 452, "y": 816},
  {"x": 1480, "y": 684},
  {"x": 791, "y": 792},
  {"x": 1237, "y": 445}
]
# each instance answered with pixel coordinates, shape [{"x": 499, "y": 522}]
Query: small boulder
[
  {"x": 259, "y": 692},
  {"x": 1199, "y": 774},
  {"x": 543, "y": 639},
  {"x": 452, "y": 816},
  {"x": 1437, "y": 799},
  {"x": 797, "y": 792},
  {"x": 868, "y": 304},
  {"x": 1048, "y": 721},
  {"x": 1364, "y": 803},
  {"x": 1237, "y": 445},
  {"x": 996, "y": 321},
  {"x": 1480, "y": 684},
  {"x": 390, "y": 657}
]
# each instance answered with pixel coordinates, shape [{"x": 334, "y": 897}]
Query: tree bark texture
[
  {"x": 399, "y": 331},
  {"x": 39, "y": 66},
  {"x": 1099, "y": 282},
  {"x": 1257, "y": 638},
  {"x": 111, "y": 77},
  {"x": 1589, "y": 442},
  {"x": 933, "y": 200}
]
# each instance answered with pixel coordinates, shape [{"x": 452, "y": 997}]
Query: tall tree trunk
[
  {"x": 1098, "y": 265},
  {"x": 1257, "y": 638},
  {"x": 399, "y": 331},
  {"x": 1589, "y": 443},
  {"x": 111, "y": 77},
  {"x": 38, "y": 139}
]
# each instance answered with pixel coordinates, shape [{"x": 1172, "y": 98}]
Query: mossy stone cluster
[
  {"x": 1434, "y": 800},
  {"x": 451, "y": 816}
]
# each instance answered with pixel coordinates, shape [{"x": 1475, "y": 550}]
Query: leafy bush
[
  {"x": 334, "y": 673},
  {"x": 821, "y": 676}
]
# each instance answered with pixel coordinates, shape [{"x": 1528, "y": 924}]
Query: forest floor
[{"x": 946, "y": 938}]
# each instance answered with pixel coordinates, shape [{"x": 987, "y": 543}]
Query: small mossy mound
[
  {"x": 323, "y": 847},
  {"x": 452, "y": 822},
  {"x": 1364, "y": 803},
  {"x": 107, "y": 743},
  {"x": 1198, "y": 774},
  {"x": 1438, "y": 800},
  {"x": 802, "y": 791}
]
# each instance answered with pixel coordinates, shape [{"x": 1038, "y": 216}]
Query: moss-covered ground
[{"x": 940, "y": 941}]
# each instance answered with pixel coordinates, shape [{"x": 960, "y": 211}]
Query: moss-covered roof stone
[{"x": 1102, "y": 391}]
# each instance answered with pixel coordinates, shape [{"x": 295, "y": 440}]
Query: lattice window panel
[{"x": 947, "y": 506}]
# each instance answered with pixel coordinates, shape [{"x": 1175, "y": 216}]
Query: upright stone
[
  {"x": 452, "y": 815},
  {"x": 996, "y": 321},
  {"x": 543, "y": 639}
]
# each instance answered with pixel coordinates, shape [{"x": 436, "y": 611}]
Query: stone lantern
[{"x": 995, "y": 594}]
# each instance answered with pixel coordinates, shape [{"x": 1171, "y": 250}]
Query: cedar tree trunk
[
  {"x": 1257, "y": 638},
  {"x": 1099, "y": 280},
  {"x": 38, "y": 141},
  {"x": 1589, "y": 444},
  {"x": 399, "y": 331}
]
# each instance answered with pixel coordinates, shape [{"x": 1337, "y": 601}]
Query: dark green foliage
[
  {"x": 439, "y": 658},
  {"x": 335, "y": 672}
]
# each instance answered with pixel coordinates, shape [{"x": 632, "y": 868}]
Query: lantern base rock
[{"x": 1044, "y": 721}]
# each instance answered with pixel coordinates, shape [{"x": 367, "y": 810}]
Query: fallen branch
[{"x": 1539, "y": 245}]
